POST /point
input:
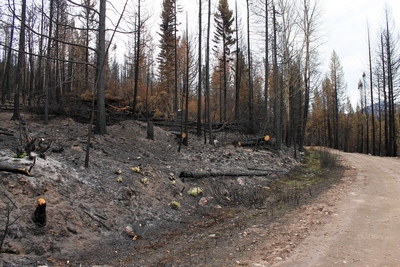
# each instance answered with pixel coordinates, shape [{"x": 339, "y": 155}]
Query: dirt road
[{"x": 365, "y": 230}]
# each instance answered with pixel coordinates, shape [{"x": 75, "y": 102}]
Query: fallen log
[
  {"x": 263, "y": 170},
  {"x": 9, "y": 168},
  {"x": 21, "y": 170},
  {"x": 178, "y": 134},
  {"x": 203, "y": 174},
  {"x": 94, "y": 218},
  {"x": 251, "y": 142},
  {"x": 118, "y": 109}
]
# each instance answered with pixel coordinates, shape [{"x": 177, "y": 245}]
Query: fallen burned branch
[
  {"x": 42, "y": 147},
  {"x": 200, "y": 174},
  {"x": 95, "y": 219},
  {"x": 9, "y": 168},
  {"x": 252, "y": 142},
  {"x": 118, "y": 109},
  {"x": 6, "y": 133},
  {"x": 264, "y": 170}
]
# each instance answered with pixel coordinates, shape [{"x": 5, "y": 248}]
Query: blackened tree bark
[
  {"x": 251, "y": 89},
  {"x": 266, "y": 73},
  {"x": 185, "y": 140},
  {"x": 237, "y": 68},
  {"x": 137, "y": 57},
  {"x": 371, "y": 96},
  {"x": 20, "y": 65},
  {"x": 47, "y": 68},
  {"x": 391, "y": 62},
  {"x": 211, "y": 141},
  {"x": 199, "y": 88},
  {"x": 384, "y": 89},
  {"x": 175, "y": 60},
  {"x": 309, "y": 23},
  {"x": 278, "y": 133},
  {"x": 100, "y": 77},
  {"x": 88, "y": 13},
  {"x": 7, "y": 71}
]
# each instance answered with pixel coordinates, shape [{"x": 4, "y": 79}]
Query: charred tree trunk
[
  {"x": 372, "y": 98},
  {"x": 199, "y": 94},
  {"x": 211, "y": 141},
  {"x": 20, "y": 65},
  {"x": 150, "y": 130},
  {"x": 137, "y": 60},
  {"x": 7, "y": 71},
  {"x": 251, "y": 89},
  {"x": 276, "y": 90},
  {"x": 185, "y": 140},
  {"x": 47, "y": 68},
  {"x": 100, "y": 76},
  {"x": 200, "y": 174}
]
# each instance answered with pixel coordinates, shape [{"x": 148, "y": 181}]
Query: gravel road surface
[{"x": 365, "y": 229}]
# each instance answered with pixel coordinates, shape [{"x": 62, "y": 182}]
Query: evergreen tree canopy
[
  {"x": 223, "y": 23},
  {"x": 166, "y": 58}
]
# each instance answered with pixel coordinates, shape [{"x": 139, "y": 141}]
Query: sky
[
  {"x": 343, "y": 29},
  {"x": 346, "y": 25}
]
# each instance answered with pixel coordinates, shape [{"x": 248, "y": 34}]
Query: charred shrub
[
  {"x": 319, "y": 160},
  {"x": 229, "y": 193},
  {"x": 327, "y": 160}
]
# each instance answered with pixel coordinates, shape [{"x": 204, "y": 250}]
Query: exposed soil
[
  {"x": 96, "y": 216},
  {"x": 363, "y": 228}
]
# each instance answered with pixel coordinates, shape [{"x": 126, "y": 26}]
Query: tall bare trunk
[
  {"x": 175, "y": 62},
  {"x": 137, "y": 58},
  {"x": 20, "y": 64},
  {"x": 100, "y": 79},
  {"x": 237, "y": 69},
  {"x": 306, "y": 73},
  {"x": 186, "y": 138},
  {"x": 199, "y": 94},
  {"x": 251, "y": 89},
  {"x": 372, "y": 97},
  {"x": 211, "y": 141},
  {"x": 277, "y": 108},
  {"x": 266, "y": 74},
  {"x": 47, "y": 69},
  {"x": 7, "y": 71}
]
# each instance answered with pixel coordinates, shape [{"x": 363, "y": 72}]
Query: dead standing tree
[
  {"x": 207, "y": 82},
  {"x": 100, "y": 79},
  {"x": 21, "y": 64},
  {"x": 198, "y": 125}
]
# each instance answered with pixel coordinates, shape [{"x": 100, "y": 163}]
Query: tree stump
[
  {"x": 39, "y": 216},
  {"x": 150, "y": 130}
]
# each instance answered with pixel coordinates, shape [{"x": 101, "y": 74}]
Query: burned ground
[{"x": 131, "y": 208}]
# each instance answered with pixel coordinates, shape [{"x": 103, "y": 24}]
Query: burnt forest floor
[{"x": 131, "y": 208}]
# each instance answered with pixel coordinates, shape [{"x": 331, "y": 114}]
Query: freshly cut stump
[{"x": 39, "y": 216}]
